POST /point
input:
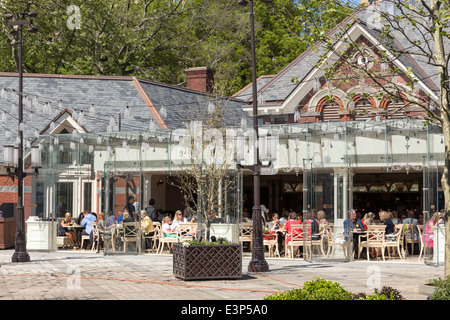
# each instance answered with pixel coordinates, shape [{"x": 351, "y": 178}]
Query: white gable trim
[{"x": 65, "y": 121}]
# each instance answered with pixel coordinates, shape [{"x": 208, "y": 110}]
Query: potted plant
[{"x": 207, "y": 260}]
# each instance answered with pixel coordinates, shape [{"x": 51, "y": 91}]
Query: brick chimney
[{"x": 200, "y": 79}]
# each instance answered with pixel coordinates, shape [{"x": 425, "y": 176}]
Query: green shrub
[
  {"x": 390, "y": 293},
  {"x": 442, "y": 290},
  {"x": 320, "y": 289},
  {"x": 316, "y": 289}
]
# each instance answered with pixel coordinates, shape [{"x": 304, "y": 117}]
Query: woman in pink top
[{"x": 292, "y": 221}]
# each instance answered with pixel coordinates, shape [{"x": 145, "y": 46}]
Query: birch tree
[{"x": 409, "y": 35}]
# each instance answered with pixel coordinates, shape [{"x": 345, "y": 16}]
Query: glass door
[{"x": 327, "y": 200}]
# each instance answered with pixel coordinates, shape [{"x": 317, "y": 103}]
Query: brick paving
[{"x": 83, "y": 275}]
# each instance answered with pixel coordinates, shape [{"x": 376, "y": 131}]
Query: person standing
[
  {"x": 151, "y": 211},
  {"x": 131, "y": 208}
]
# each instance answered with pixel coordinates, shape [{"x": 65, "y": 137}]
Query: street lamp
[
  {"x": 257, "y": 263},
  {"x": 20, "y": 253}
]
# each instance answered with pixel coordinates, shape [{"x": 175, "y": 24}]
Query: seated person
[
  {"x": 273, "y": 226},
  {"x": 69, "y": 233},
  {"x": 87, "y": 224},
  {"x": 321, "y": 217},
  {"x": 386, "y": 218},
  {"x": 193, "y": 229},
  {"x": 292, "y": 221},
  {"x": 167, "y": 230},
  {"x": 146, "y": 223}
]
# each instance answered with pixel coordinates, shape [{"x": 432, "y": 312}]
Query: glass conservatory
[{"x": 322, "y": 171}]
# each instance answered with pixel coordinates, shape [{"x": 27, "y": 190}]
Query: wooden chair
[
  {"x": 185, "y": 228},
  {"x": 395, "y": 241},
  {"x": 375, "y": 238},
  {"x": 314, "y": 239},
  {"x": 294, "y": 239},
  {"x": 334, "y": 241},
  {"x": 272, "y": 245},
  {"x": 96, "y": 237},
  {"x": 153, "y": 237},
  {"x": 131, "y": 233},
  {"x": 409, "y": 238},
  {"x": 86, "y": 237},
  {"x": 174, "y": 237},
  {"x": 63, "y": 242},
  {"x": 422, "y": 245},
  {"x": 246, "y": 233}
]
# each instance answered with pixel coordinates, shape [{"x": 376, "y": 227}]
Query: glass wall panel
[
  {"x": 122, "y": 195},
  {"x": 433, "y": 235}
]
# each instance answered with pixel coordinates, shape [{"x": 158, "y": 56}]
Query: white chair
[
  {"x": 170, "y": 238},
  {"x": 409, "y": 238},
  {"x": 272, "y": 245},
  {"x": 246, "y": 233},
  {"x": 395, "y": 241},
  {"x": 96, "y": 237},
  {"x": 375, "y": 238},
  {"x": 334, "y": 242}
]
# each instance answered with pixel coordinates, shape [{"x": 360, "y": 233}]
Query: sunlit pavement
[{"x": 84, "y": 275}]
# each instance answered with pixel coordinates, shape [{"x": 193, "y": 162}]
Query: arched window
[
  {"x": 395, "y": 108},
  {"x": 329, "y": 108},
  {"x": 364, "y": 107}
]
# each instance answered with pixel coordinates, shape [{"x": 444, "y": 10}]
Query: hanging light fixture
[
  {"x": 296, "y": 115},
  {"x": 36, "y": 160},
  {"x": 8, "y": 156},
  {"x": 407, "y": 166},
  {"x": 127, "y": 113},
  {"x": 163, "y": 112},
  {"x": 92, "y": 111}
]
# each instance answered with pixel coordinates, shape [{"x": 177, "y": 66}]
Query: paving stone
[{"x": 93, "y": 276}]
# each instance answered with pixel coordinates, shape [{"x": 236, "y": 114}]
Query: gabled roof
[
  {"x": 110, "y": 96},
  {"x": 281, "y": 88},
  {"x": 246, "y": 92}
]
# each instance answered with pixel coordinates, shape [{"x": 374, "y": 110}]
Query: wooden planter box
[
  {"x": 207, "y": 262},
  {"x": 7, "y": 232}
]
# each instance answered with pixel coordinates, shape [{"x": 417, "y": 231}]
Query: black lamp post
[
  {"x": 257, "y": 263},
  {"x": 20, "y": 253}
]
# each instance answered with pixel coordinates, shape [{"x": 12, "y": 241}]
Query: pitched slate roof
[{"x": 110, "y": 97}]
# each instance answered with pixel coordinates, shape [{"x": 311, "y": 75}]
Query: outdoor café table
[
  {"x": 357, "y": 235},
  {"x": 77, "y": 229}
]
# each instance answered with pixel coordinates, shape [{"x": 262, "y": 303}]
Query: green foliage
[
  {"x": 159, "y": 39},
  {"x": 316, "y": 289},
  {"x": 320, "y": 289},
  {"x": 442, "y": 290},
  {"x": 204, "y": 242}
]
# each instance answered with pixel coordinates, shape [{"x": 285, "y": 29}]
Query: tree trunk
[{"x": 440, "y": 60}]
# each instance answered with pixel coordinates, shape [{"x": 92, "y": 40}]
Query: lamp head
[
  {"x": 32, "y": 14},
  {"x": 242, "y": 2},
  {"x": 8, "y": 16}
]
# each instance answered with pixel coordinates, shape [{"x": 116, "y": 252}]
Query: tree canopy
[{"x": 158, "y": 39}]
